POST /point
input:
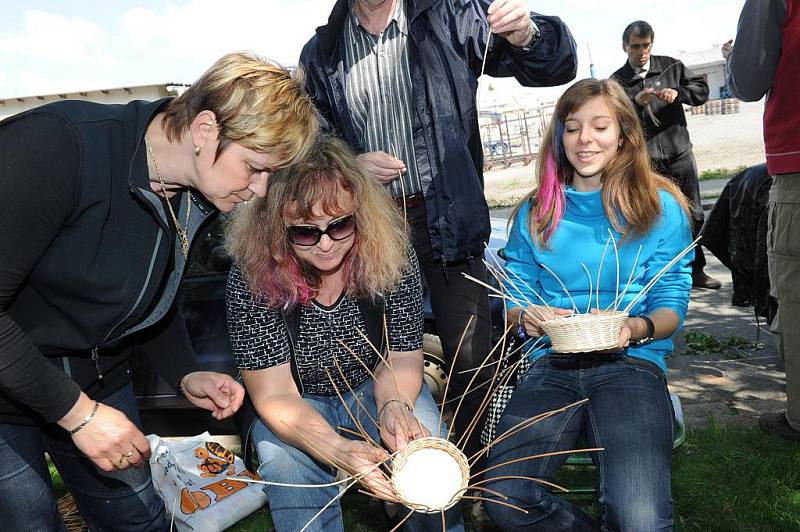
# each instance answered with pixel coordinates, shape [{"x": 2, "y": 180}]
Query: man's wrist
[{"x": 532, "y": 38}]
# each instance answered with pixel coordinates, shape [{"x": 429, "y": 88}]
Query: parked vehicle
[{"x": 202, "y": 301}]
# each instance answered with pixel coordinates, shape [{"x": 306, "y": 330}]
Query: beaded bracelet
[
  {"x": 87, "y": 419},
  {"x": 380, "y": 412}
]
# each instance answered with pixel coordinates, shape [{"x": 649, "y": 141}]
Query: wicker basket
[
  {"x": 430, "y": 475},
  {"x": 580, "y": 333}
]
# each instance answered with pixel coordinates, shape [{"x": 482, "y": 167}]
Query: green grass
[
  {"x": 730, "y": 479},
  {"x": 737, "y": 479},
  {"x": 706, "y": 344},
  {"x": 720, "y": 173}
]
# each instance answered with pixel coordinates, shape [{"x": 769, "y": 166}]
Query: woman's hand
[
  {"x": 361, "y": 460},
  {"x": 399, "y": 426},
  {"x": 109, "y": 438},
  {"x": 216, "y": 392},
  {"x": 532, "y": 317}
]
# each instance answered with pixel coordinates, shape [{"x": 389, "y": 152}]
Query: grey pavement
[{"x": 738, "y": 384}]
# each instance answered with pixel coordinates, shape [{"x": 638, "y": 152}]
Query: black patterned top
[{"x": 260, "y": 339}]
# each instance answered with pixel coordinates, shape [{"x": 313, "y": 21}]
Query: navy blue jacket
[{"x": 446, "y": 42}]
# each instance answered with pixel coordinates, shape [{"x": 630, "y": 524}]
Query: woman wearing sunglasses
[{"x": 324, "y": 279}]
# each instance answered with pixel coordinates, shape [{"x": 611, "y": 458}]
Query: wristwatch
[
  {"x": 536, "y": 32},
  {"x": 648, "y": 337}
]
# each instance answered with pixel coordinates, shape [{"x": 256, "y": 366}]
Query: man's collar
[
  {"x": 639, "y": 70},
  {"x": 399, "y": 16}
]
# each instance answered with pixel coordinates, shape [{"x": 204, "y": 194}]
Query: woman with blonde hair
[
  {"x": 598, "y": 201},
  {"x": 100, "y": 206},
  {"x": 325, "y": 317}
]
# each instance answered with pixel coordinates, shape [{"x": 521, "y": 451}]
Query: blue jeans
[
  {"x": 629, "y": 414},
  {"x": 292, "y": 508},
  {"x": 119, "y": 501}
]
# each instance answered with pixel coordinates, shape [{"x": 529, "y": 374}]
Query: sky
[{"x": 52, "y": 46}]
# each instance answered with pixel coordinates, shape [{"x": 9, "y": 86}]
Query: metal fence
[{"x": 726, "y": 134}]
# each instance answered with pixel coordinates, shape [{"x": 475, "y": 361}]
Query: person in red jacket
[{"x": 766, "y": 61}]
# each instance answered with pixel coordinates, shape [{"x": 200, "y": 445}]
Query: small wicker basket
[
  {"x": 580, "y": 333},
  {"x": 430, "y": 475}
]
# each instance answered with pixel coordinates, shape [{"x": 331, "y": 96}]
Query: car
[{"x": 202, "y": 302}]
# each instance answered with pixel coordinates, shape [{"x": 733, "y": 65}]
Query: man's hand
[
  {"x": 645, "y": 96},
  {"x": 383, "y": 166},
  {"x": 216, "y": 392},
  {"x": 667, "y": 95},
  {"x": 511, "y": 20},
  {"x": 727, "y": 48}
]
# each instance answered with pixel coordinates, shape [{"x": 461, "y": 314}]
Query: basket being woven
[
  {"x": 430, "y": 475},
  {"x": 579, "y": 333}
]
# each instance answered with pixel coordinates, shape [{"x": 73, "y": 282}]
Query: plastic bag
[{"x": 196, "y": 478}]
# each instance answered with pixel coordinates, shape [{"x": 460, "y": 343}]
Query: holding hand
[
  {"x": 532, "y": 317},
  {"x": 727, "y": 48},
  {"x": 105, "y": 435},
  {"x": 361, "y": 458},
  {"x": 382, "y": 166},
  {"x": 399, "y": 426},
  {"x": 216, "y": 392},
  {"x": 511, "y": 20},
  {"x": 667, "y": 95}
]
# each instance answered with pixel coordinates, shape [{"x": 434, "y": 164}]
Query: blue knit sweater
[{"x": 580, "y": 238}]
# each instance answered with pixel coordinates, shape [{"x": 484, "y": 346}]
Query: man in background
[
  {"x": 658, "y": 86},
  {"x": 765, "y": 60}
]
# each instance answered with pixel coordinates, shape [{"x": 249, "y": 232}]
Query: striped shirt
[{"x": 378, "y": 93}]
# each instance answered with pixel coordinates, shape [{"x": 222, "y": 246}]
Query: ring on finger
[
  {"x": 128, "y": 454},
  {"x": 120, "y": 461}
]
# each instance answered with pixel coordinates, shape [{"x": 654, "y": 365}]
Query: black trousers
[
  {"x": 682, "y": 170},
  {"x": 454, "y": 299}
]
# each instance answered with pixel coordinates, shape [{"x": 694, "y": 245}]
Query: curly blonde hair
[
  {"x": 257, "y": 238},
  {"x": 257, "y": 104}
]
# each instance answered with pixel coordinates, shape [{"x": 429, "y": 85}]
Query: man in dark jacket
[
  {"x": 659, "y": 86},
  {"x": 397, "y": 79}
]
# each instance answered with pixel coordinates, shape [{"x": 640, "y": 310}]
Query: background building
[{"x": 12, "y": 106}]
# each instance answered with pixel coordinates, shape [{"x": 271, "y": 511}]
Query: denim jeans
[
  {"x": 629, "y": 414},
  {"x": 119, "y": 501},
  {"x": 292, "y": 508}
]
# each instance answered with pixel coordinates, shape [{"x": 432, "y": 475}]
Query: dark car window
[{"x": 208, "y": 252}]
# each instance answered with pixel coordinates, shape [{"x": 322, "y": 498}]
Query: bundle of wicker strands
[
  {"x": 70, "y": 514},
  {"x": 430, "y": 475},
  {"x": 578, "y": 333}
]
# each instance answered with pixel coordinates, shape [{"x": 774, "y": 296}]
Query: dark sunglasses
[{"x": 309, "y": 235}]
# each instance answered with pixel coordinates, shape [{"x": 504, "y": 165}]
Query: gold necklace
[{"x": 183, "y": 232}]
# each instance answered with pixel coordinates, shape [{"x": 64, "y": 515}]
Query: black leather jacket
[{"x": 671, "y": 137}]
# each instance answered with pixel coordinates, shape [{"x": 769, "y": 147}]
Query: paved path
[{"x": 735, "y": 386}]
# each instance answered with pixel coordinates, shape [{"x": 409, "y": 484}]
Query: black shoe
[
  {"x": 775, "y": 423},
  {"x": 701, "y": 280}
]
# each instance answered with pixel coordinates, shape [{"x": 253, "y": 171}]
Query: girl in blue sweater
[{"x": 597, "y": 189}]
